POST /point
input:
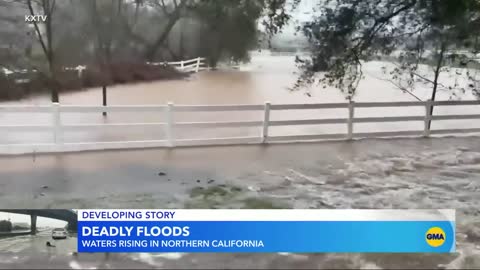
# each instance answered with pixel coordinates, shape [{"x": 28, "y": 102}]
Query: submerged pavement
[{"x": 382, "y": 173}]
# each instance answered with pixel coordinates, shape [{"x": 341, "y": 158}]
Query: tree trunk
[
  {"x": 172, "y": 20},
  {"x": 152, "y": 49},
  {"x": 435, "y": 81},
  {"x": 51, "y": 57},
  {"x": 47, "y": 45},
  {"x": 215, "y": 52},
  {"x": 182, "y": 45}
]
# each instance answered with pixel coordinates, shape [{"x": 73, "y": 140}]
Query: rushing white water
[{"x": 432, "y": 173}]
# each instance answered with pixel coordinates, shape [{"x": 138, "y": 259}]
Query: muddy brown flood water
[{"x": 266, "y": 78}]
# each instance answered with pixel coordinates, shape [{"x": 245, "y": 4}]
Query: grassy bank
[{"x": 38, "y": 83}]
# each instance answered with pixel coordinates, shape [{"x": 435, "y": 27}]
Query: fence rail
[
  {"x": 195, "y": 64},
  {"x": 192, "y": 65},
  {"x": 57, "y": 128}
]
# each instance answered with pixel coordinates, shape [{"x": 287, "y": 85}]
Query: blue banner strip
[{"x": 268, "y": 236}]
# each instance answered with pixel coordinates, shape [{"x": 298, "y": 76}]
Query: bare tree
[
  {"x": 14, "y": 39},
  {"x": 105, "y": 26},
  {"x": 173, "y": 16},
  {"x": 47, "y": 8},
  {"x": 169, "y": 10}
]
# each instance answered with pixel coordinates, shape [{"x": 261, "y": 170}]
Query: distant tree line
[
  {"x": 104, "y": 33},
  {"x": 342, "y": 35}
]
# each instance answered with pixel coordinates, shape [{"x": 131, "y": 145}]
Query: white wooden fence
[
  {"x": 192, "y": 65},
  {"x": 58, "y": 128}
]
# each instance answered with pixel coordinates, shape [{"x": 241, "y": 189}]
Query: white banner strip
[{"x": 266, "y": 215}]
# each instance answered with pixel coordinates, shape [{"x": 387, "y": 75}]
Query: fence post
[
  {"x": 266, "y": 119},
  {"x": 426, "y": 128},
  {"x": 57, "y": 124},
  {"x": 104, "y": 95},
  {"x": 169, "y": 125},
  {"x": 80, "y": 71},
  {"x": 351, "y": 110},
  {"x": 181, "y": 65},
  {"x": 198, "y": 65}
]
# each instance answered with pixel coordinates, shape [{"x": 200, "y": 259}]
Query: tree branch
[
  {"x": 52, "y": 7},
  {"x": 173, "y": 18},
  {"x": 423, "y": 77},
  {"x": 379, "y": 24},
  {"x": 164, "y": 8},
  {"x": 37, "y": 29},
  {"x": 399, "y": 87}
]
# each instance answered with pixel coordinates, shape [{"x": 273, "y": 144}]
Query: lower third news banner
[{"x": 301, "y": 231}]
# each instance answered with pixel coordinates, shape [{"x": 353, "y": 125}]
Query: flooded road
[
  {"x": 392, "y": 173},
  {"x": 28, "y": 252},
  {"x": 265, "y": 78}
]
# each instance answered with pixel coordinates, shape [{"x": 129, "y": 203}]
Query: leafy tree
[
  {"x": 346, "y": 33},
  {"x": 277, "y": 15},
  {"x": 231, "y": 27},
  {"x": 173, "y": 13}
]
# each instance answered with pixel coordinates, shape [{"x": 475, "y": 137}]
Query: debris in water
[
  {"x": 198, "y": 180},
  {"x": 261, "y": 203},
  {"x": 171, "y": 256},
  {"x": 42, "y": 194},
  {"x": 161, "y": 174},
  {"x": 169, "y": 180},
  {"x": 45, "y": 187},
  {"x": 308, "y": 178},
  {"x": 236, "y": 189},
  {"x": 370, "y": 265},
  {"x": 210, "y": 181}
]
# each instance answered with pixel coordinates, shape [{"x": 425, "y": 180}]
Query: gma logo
[{"x": 435, "y": 237}]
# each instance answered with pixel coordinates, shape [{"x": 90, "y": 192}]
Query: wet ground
[{"x": 391, "y": 173}]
